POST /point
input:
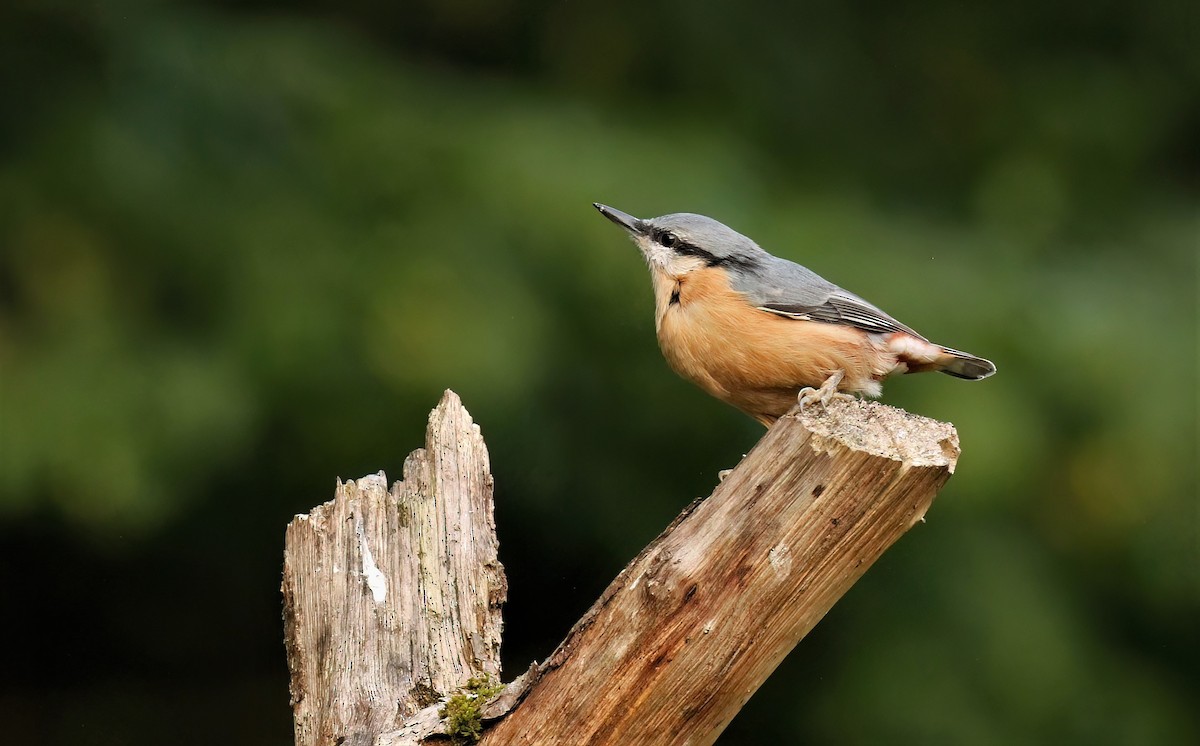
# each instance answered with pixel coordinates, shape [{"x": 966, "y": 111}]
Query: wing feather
[
  {"x": 842, "y": 307},
  {"x": 785, "y": 288}
]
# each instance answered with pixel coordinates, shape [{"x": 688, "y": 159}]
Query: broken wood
[
  {"x": 392, "y": 598},
  {"x": 693, "y": 626}
]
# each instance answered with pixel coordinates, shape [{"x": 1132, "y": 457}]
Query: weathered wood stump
[
  {"x": 392, "y": 598},
  {"x": 672, "y": 649}
]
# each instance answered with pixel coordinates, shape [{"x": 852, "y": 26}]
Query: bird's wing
[
  {"x": 788, "y": 289},
  {"x": 841, "y": 307}
]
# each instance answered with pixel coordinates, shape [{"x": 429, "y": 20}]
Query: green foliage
[
  {"x": 464, "y": 724},
  {"x": 243, "y": 251}
]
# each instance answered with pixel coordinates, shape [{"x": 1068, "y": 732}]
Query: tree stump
[{"x": 673, "y": 648}]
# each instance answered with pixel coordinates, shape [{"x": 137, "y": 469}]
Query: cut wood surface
[
  {"x": 695, "y": 624},
  {"x": 392, "y": 597}
]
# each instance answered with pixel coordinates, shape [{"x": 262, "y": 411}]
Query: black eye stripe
[
  {"x": 687, "y": 249},
  {"x": 673, "y": 242}
]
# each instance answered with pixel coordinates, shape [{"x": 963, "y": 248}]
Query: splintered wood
[{"x": 392, "y": 597}]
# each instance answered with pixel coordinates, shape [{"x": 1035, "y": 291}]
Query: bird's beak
[{"x": 626, "y": 221}]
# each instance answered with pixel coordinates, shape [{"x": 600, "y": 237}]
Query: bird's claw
[{"x": 809, "y": 396}]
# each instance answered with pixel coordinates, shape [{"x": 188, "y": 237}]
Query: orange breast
[{"x": 754, "y": 360}]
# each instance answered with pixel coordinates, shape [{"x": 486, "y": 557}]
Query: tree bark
[{"x": 392, "y": 598}]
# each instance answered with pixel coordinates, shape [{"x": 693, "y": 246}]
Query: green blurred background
[{"x": 245, "y": 245}]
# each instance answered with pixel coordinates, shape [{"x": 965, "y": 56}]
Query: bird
[{"x": 762, "y": 333}]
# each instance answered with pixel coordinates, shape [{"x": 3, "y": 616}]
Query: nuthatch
[{"x": 757, "y": 331}]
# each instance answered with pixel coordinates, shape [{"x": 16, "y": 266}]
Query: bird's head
[{"x": 684, "y": 242}]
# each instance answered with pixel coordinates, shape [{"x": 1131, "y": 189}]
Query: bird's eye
[{"x": 668, "y": 240}]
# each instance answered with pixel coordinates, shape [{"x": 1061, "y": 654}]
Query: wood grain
[
  {"x": 392, "y": 597},
  {"x": 695, "y": 624}
]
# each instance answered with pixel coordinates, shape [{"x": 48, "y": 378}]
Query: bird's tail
[{"x": 965, "y": 365}]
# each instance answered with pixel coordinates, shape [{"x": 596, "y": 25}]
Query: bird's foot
[{"x": 810, "y": 396}]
